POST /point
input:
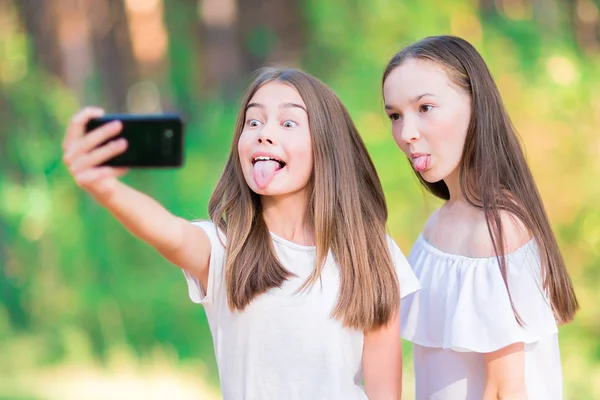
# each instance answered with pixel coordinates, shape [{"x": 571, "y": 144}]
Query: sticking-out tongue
[
  {"x": 421, "y": 163},
  {"x": 263, "y": 172}
]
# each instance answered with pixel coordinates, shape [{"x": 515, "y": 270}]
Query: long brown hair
[
  {"x": 347, "y": 209},
  {"x": 494, "y": 174}
]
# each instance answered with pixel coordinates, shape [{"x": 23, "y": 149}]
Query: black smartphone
[{"x": 154, "y": 140}]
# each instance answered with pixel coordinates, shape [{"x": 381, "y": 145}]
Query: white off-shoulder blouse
[{"x": 463, "y": 310}]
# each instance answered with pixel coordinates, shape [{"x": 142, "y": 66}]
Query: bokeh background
[{"x": 88, "y": 312}]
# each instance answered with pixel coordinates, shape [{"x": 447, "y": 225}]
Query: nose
[
  {"x": 265, "y": 136},
  {"x": 409, "y": 131},
  {"x": 264, "y": 139}
]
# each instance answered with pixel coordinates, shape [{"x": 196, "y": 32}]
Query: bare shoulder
[
  {"x": 431, "y": 223},
  {"x": 195, "y": 252},
  {"x": 514, "y": 231}
]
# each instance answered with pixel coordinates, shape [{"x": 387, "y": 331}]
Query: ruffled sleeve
[{"x": 463, "y": 304}]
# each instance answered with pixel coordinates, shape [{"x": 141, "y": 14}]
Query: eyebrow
[
  {"x": 284, "y": 105},
  {"x": 292, "y": 105},
  {"x": 413, "y": 100}
]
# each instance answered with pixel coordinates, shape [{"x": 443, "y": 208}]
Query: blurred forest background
[{"x": 88, "y": 312}]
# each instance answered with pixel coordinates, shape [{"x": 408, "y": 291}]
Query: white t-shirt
[
  {"x": 285, "y": 345},
  {"x": 463, "y": 310}
]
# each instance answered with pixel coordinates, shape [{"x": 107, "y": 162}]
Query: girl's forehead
[
  {"x": 418, "y": 73},
  {"x": 415, "y": 78},
  {"x": 277, "y": 93}
]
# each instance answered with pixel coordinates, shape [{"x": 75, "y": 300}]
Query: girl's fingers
[
  {"x": 98, "y": 156},
  {"x": 76, "y": 127},
  {"x": 91, "y": 140},
  {"x": 90, "y": 176}
]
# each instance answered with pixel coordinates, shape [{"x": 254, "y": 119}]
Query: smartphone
[{"x": 154, "y": 140}]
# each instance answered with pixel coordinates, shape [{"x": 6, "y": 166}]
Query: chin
[
  {"x": 266, "y": 191},
  {"x": 271, "y": 190},
  {"x": 430, "y": 176},
  {"x": 276, "y": 190}
]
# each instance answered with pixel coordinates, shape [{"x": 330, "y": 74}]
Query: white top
[
  {"x": 463, "y": 310},
  {"x": 286, "y": 345}
]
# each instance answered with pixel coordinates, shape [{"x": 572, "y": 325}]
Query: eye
[
  {"x": 394, "y": 116},
  {"x": 425, "y": 108},
  {"x": 253, "y": 123},
  {"x": 290, "y": 124}
]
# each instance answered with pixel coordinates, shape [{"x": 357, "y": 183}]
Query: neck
[
  {"x": 287, "y": 217},
  {"x": 453, "y": 183}
]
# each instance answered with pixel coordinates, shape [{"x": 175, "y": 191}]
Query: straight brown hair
[
  {"x": 494, "y": 174},
  {"x": 347, "y": 209}
]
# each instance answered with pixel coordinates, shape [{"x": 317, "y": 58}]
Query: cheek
[
  {"x": 244, "y": 147},
  {"x": 303, "y": 152},
  {"x": 446, "y": 135},
  {"x": 244, "y": 143}
]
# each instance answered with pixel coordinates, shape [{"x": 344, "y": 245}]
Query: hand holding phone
[
  {"x": 153, "y": 140},
  {"x": 99, "y": 148}
]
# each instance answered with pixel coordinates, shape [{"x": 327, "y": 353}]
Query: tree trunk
[
  {"x": 113, "y": 55},
  {"x": 487, "y": 8},
  {"x": 585, "y": 24},
  {"x": 40, "y": 21},
  {"x": 182, "y": 24},
  {"x": 221, "y": 51},
  {"x": 271, "y": 31}
]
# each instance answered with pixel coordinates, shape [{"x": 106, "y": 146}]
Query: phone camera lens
[{"x": 167, "y": 146}]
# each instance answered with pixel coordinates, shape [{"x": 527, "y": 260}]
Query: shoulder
[
  {"x": 514, "y": 232},
  {"x": 215, "y": 235},
  {"x": 207, "y": 225}
]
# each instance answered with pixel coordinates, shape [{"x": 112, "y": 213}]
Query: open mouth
[
  {"x": 280, "y": 163},
  {"x": 264, "y": 169}
]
